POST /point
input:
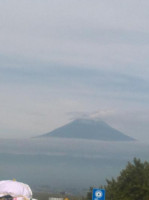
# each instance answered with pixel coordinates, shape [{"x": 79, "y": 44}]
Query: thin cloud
[{"x": 60, "y": 57}]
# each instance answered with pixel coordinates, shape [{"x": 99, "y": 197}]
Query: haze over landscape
[
  {"x": 74, "y": 90},
  {"x": 71, "y": 158},
  {"x": 62, "y": 164}
]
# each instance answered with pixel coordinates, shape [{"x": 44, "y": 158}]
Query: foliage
[{"x": 131, "y": 184}]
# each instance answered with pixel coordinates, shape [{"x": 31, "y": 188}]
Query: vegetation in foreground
[{"x": 131, "y": 184}]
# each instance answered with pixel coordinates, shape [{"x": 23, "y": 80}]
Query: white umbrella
[{"x": 15, "y": 189}]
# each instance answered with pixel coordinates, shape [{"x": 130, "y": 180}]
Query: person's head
[{"x": 6, "y": 197}]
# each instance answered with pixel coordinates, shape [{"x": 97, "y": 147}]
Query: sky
[{"x": 62, "y": 60}]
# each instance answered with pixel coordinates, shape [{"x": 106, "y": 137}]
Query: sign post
[{"x": 98, "y": 194}]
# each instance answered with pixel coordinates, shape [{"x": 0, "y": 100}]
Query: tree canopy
[{"x": 131, "y": 184}]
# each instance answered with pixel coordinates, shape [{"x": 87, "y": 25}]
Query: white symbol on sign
[{"x": 98, "y": 193}]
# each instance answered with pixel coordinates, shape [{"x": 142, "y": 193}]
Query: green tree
[{"x": 131, "y": 184}]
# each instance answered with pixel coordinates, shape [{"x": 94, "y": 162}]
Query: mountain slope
[{"x": 88, "y": 129}]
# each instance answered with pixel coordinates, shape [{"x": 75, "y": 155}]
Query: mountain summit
[{"x": 88, "y": 129}]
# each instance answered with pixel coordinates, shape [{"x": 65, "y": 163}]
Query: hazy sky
[{"x": 63, "y": 59}]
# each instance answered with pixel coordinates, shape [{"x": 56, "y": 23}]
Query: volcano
[{"x": 88, "y": 129}]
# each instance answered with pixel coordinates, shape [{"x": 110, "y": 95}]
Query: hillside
[{"x": 88, "y": 129}]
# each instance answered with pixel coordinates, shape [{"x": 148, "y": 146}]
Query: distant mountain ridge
[{"x": 88, "y": 129}]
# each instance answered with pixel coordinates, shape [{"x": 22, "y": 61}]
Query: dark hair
[{"x": 6, "y": 197}]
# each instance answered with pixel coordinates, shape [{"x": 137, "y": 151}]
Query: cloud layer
[{"x": 61, "y": 57}]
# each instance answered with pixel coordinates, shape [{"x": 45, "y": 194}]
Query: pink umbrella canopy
[{"x": 15, "y": 189}]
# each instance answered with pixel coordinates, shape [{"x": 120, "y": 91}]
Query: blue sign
[{"x": 98, "y": 194}]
